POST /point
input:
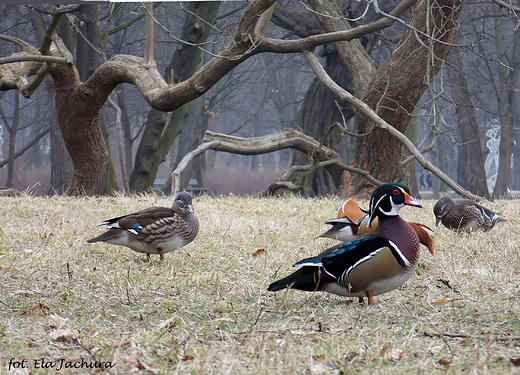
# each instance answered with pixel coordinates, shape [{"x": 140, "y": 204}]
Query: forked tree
[{"x": 388, "y": 94}]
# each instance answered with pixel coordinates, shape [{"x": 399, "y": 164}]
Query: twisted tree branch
[
  {"x": 287, "y": 138},
  {"x": 379, "y": 122}
]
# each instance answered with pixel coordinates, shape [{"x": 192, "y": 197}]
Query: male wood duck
[
  {"x": 464, "y": 215},
  {"x": 352, "y": 221},
  {"x": 369, "y": 265},
  {"x": 155, "y": 230}
]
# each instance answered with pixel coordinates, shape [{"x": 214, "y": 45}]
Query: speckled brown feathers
[
  {"x": 161, "y": 230},
  {"x": 464, "y": 215},
  {"x": 155, "y": 230}
]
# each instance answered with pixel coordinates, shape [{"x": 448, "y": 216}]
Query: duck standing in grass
[
  {"x": 155, "y": 230},
  {"x": 369, "y": 265},
  {"x": 464, "y": 215},
  {"x": 352, "y": 221}
]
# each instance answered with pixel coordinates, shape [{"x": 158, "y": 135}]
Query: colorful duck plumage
[
  {"x": 371, "y": 264},
  {"x": 353, "y": 221}
]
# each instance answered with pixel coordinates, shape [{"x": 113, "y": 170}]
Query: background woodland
[{"x": 98, "y": 98}]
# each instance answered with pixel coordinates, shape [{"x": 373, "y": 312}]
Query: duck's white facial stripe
[{"x": 394, "y": 211}]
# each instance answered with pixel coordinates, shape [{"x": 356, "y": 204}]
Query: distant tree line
[{"x": 109, "y": 95}]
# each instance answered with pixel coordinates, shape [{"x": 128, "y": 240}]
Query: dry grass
[{"x": 205, "y": 310}]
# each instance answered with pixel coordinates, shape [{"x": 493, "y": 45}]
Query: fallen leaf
[
  {"x": 11, "y": 268},
  {"x": 445, "y": 301},
  {"x": 395, "y": 354},
  {"x": 444, "y": 362},
  {"x": 258, "y": 252},
  {"x": 55, "y": 321},
  {"x": 33, "y": 309},
  {"x": 127, "y": 344},
  {"x": 188, "y": 358},
  {"x": 149, "y": 368},
  {"x": 318, "y": 357},
  {"x": 65, "y": 334},
  {"x": 515, "y": 361}
]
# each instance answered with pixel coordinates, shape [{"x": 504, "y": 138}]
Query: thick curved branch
[
  {"x": 24, "y": 46},
  {"x": 36, "y": 58},
  {"x": 186, "y": 160},
  {"x": 164, "y": 97},
  {"x": 313, "y": 41},
  {"x": 288, "y": 138},
  {"x": 379, "y": 122},
  {"x": 246, "y": 43}
]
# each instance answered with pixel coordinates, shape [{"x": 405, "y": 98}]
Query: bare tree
[
  {"x": 392, "y": 90},
  {"x": 471, "y": 173},
  {"x": 507, "y": 97},
  {"x": 158, "y": 135},
  {"x": 398, "y": 85}
]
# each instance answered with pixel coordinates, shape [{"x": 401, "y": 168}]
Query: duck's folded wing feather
[
  {"x": 347, "y": 256},
  {"x": 140, "y": 219}
]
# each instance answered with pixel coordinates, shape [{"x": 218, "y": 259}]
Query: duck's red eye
[{"x": 396, "y": 192}]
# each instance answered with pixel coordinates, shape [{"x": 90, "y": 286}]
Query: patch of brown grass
[{"x": 206, "y": 308}]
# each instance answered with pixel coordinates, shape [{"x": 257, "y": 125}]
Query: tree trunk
[
  {"x": 127, "y": 130},
  {"x": 350, "y": 66},
  {"x": 196, "y": 124},
  {"x": 13, "y": 129},
  {"x": 157, "y": 140},
  {"x": 317, "y": 121},
  {"x": 471, "y": 172},
  {"x": 397, "y": 87},
  {"x": 407, "y": 172},
  {"x": 508, "y": 97},
  {"x": 78, "y": 112},
  {"x": 61, "y": 164},
  {"x": 86, "y": 59}
]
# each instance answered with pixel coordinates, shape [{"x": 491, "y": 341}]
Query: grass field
[{"x": 205, "y": 309}]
